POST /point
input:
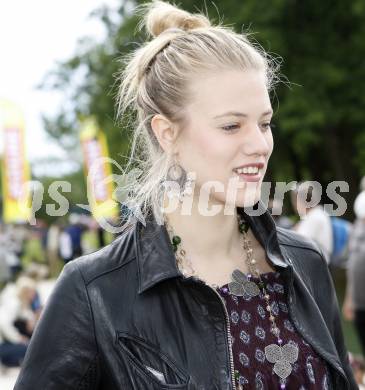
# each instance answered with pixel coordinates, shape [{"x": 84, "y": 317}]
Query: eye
[
  {"x": 267, "y": 126},
  {"x": 229, "y": 128}
]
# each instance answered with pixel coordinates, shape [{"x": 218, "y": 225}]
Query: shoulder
[
  {"x": 106, "y": 260},
  {"x": 291, "y": 238},
  {"x": 309, "y": 264},
  {"x": 303, "y": 251}
]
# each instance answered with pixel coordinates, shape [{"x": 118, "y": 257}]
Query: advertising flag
[
  {"x": 15, "y": 167},
  {"x": 98, "y": 171}
]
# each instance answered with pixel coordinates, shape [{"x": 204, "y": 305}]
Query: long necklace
[{"x": 282, "y": 356}]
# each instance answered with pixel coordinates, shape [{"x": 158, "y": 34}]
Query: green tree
[{"x": 319, "y": 115}]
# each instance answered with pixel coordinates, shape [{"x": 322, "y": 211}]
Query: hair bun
[{"x": 160, "y": 16}]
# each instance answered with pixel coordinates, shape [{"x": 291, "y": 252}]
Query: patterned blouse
[{"x": 250, "y": 331}]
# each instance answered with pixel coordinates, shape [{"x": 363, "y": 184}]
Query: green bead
[
  {"x": 236, "y": 374},
  {"x": 243, "y": 227},
  {"x": 261, "y": 284},
  {"x": 176, "y": 240}
]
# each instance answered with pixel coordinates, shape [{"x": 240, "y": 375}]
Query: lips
[
  {"x": 258, "y": 165},
  {"x": 250, "y": 172}
]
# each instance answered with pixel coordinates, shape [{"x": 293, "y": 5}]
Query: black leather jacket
[{"x": 124, "y": 317}]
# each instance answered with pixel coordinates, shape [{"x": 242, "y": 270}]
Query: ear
[{"x": 164, "y": 130}]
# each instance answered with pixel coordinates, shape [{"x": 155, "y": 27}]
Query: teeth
[{"x": 248, "y": 170}]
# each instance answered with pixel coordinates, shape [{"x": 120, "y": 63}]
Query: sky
[{"x": 33, "y": 36}]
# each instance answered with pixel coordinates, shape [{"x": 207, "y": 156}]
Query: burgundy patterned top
[{"x": 250, "y": 330}]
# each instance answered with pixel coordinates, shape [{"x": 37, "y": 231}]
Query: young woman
[{"x": 205, "y": 293}]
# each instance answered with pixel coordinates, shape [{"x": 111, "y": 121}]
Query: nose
[{"x": 257, "y": 142}]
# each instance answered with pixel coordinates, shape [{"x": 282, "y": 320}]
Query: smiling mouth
[
  {"x": 250, "y": 170},
  {"x": 249, "y": 173}
]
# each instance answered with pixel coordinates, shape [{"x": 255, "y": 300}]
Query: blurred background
[{"x": 57, "y": 111}]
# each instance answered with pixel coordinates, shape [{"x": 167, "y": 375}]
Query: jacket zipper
[
  {"x": 229, "y": 339},
  {"x": 227, "y": 327}
]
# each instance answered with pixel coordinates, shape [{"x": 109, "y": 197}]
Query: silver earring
[
  {"x": 188, "y": 187},
  {"x": 176, "y": 173}
]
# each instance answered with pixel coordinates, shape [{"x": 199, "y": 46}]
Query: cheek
[
  {"x": 208, "y": 156},
  {"x": 207, "y": 146}
]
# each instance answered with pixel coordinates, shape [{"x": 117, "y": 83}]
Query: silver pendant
[
  {"x": 241, "y": 285},
  {"x": 282, "y": 357}
]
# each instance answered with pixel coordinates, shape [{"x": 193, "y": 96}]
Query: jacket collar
[{"x": 156, "y": 258}]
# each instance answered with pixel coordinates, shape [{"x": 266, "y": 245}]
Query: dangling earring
[
  {"x": 176, "y": 173},
  {"x": 188, "y": 187}
]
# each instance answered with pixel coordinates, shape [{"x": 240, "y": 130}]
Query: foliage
[
  {"x": 78, "y": 195},
  {"x": 319, "y": 115}
]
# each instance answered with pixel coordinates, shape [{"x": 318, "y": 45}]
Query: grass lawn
[{"x": 352, "y": 342}]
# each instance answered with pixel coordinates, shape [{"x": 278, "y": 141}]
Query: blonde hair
[
  {"x": 154, "y": 79},
  {"x": 23, "y": 285}
]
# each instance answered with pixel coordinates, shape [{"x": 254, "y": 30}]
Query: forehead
[{"x": 228, "y": 90}]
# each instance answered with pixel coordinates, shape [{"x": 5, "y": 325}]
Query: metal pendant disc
[
  {"x": 290, "y": 353},
  {"x": 251, "y": 289},
  {"x": 273, "y": 353},
  {"x": 282, "y": 368},
  {"x": 238, "y": 276},
  {"x": 236, "y": 289}
]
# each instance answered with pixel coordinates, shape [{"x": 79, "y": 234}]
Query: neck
[
  {"x": 209, "y": 237},
  {"x": 208, "y": 240}
]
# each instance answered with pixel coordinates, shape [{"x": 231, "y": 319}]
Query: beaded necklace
[{"x": 282, "y": 356}]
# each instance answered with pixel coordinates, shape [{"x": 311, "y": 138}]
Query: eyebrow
[{"x": 240, "y": 114}]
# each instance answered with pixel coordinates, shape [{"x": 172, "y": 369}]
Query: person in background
[
  {"x": 358, "y": 367},
  {"x": 360, "y": 199},
  {"x": 315, "y": 222},
  {"x": 70, "y": 239},
  {"x": 75, "y": 230},
  {"x": 11, "y": 248},
  {"x": 19, "y": 312},
  {"x": 52, "y": 250},
  {"x": 354, "y": 303},
  {"x": 65, "y": 244},
  {"x": 5, "y": 267}
]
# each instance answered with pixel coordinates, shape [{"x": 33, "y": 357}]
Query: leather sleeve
[
  {"x": 337, "y": 331},
  {"x": 62, "y": 354}
]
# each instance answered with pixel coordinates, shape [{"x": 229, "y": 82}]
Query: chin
[
  {"x": 242, "y": 200},
  {"x": 248, "y": 198},
  {"x": 243, "y": 194},
  {"x": 250, "y": 202}
]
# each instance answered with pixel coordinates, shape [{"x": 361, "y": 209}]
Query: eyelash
[{"x": 230, "y": 129}]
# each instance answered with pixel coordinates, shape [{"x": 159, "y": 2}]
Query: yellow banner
[
  {"x": 98, "y": 171},
  {"x": 15, "y": 167}
]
